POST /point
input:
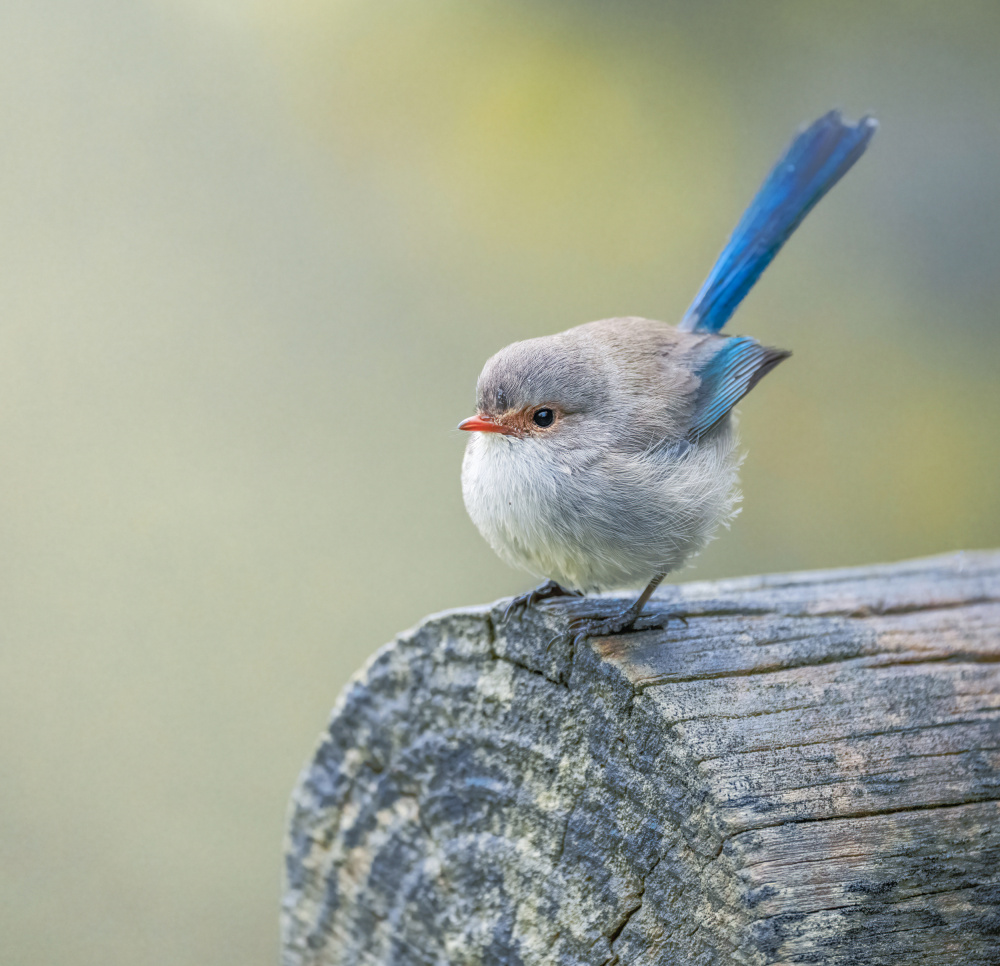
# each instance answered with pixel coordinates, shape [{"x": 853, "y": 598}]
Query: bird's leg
[
  {"x": 542, "y": 592},
  {"x": 581, "y": 627}
]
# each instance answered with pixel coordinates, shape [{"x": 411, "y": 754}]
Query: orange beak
[{"x": 482, "y": 424}]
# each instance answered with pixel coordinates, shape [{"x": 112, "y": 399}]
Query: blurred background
[{"x": 252, "y": 258}]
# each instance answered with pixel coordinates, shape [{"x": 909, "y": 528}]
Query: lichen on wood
[{"x": 806, "y": 771}]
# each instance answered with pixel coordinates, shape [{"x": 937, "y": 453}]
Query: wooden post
[{"x": 808, "y": 771}]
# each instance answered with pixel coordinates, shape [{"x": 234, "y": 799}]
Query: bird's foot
[
  {"x": 542, "y": 592},
  {"x": 582, "y": 627}
]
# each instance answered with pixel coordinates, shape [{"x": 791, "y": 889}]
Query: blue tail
[{"x": 814, "y": 162}]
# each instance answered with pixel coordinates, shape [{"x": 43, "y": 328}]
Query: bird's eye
[{"x": 543, "y": 417}]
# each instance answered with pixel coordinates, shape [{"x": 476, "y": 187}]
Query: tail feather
[{"x": 813, "y": 163}]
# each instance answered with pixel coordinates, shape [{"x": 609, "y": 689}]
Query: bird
[{"x": 605, "y": 456}]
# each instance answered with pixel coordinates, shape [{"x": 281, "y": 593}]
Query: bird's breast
[
  {"x": 598, "y": 517},
  {"x": 519, "y": 494}
]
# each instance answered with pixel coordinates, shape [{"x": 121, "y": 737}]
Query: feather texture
[
  {"x": 727, "y": 377},
  {"x": 813, "y": 163},
  {"x": 613, "y": 493}
]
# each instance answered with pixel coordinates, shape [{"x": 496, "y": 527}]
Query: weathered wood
[{"x": 807, "y": 772}]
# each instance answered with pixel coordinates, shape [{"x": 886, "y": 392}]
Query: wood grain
[{"x": 807, "y": 771}]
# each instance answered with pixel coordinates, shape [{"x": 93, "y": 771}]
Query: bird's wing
[
  {"x": 813, "y": 163},
  {"x": 731, "y": 372}
]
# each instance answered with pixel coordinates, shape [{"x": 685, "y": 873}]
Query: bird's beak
[{"x": 482, "y": 424}]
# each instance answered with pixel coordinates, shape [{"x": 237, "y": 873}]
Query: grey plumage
[{"x": 613, "y": 491}]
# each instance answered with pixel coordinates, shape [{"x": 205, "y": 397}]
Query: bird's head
[{"x": 541, "y": 388}]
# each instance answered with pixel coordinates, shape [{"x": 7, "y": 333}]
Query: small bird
[{"x": 604, "y": 457}]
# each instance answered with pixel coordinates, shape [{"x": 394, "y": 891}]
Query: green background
[{"x": 252, "y": 258}]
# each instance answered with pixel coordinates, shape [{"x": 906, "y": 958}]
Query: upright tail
[{"x": 813, "y": 163}]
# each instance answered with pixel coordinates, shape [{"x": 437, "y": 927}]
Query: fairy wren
[{"x": 604, "y": 457}]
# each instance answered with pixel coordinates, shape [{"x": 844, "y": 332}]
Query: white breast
[{"x": 608, "y": 521}]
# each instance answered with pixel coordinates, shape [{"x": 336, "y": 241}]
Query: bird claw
[
  {"x": 544, "y": 591},
  {"x": 581, "y": 628}
]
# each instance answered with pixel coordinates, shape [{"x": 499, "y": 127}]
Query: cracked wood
[{"x": 808, "y": 771}]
